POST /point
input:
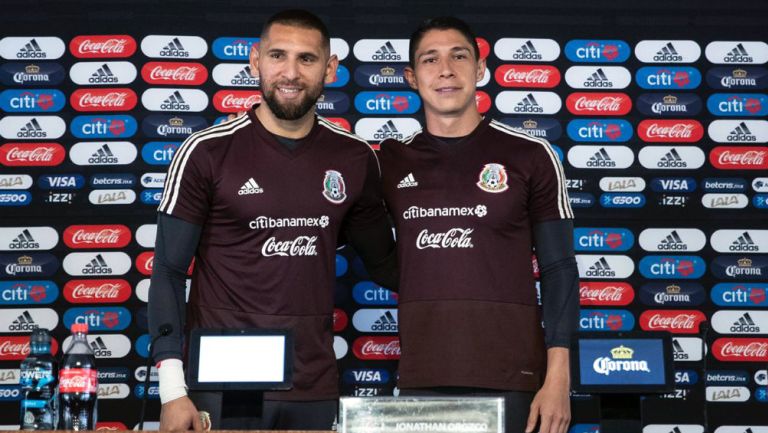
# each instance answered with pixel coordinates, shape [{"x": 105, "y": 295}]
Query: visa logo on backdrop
[
  {"x": 61, "y": 181},
  {"x": 676, "y": 184},
  {"x": 597, "y": 51}
]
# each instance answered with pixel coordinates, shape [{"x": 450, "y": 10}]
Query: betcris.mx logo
[
  {"x": 602, "y": 239},
  {"x": 229, "y": 48},
  {"x": 114, "y": 126},
  {"x": 606, "y": 320},
  {"x": 682, "y": 267},
  {"x": 387, "y": 102},
  {"x": 159, "y": 152},
  {"x": 597, "y": 51}
]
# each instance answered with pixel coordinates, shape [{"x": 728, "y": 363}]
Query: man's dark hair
[
  {"x": 299, "y": 18},
  {"x": 441, "y": 23}
]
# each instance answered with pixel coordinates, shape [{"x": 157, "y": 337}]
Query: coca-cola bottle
[
  {"x": 39, "y": 401},
  {"x": 78, "y": 383}
]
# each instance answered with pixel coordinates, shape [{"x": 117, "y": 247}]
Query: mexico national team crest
[
  {"x": 493, "y": 178},
  {"x": 333, "y": 187}
]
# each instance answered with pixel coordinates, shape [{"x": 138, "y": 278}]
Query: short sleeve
[
  {"x": 188, "y": 184},
  {"x": 548, "y": 194}
]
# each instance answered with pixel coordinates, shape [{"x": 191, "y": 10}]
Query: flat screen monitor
[{"x": 240, "y": 359}]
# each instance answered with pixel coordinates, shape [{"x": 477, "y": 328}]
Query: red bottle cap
[{"x": 79, "y": 327}]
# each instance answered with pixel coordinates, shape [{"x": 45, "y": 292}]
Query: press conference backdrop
[{"x": 657, "y": 110}]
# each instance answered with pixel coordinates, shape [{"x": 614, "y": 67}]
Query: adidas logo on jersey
[
  {"x": 387, "y": 52},
  {"x": 672, "y": 160},
  {"x": 31, "y": 50},
  {"x": 250, "y": 187},
  {"x": 527, "y": 51},
  {"x": 745, "y": 324},
  {"x": 598, "y": 79},
  {"x": 528, "y": 105},
  {"x": 673, "y": 241},
  {"x": 741, "y": 133},
  {"x": 385, "y": 323},
  {"x": 738, "y": 54},
  {"x": 408, "y": 182},
  {"x": 667, "y": 53},
  {"x": 174, "y": 49},
  {"x": 24, "y": 241},
  {"x": 601, "y": 159},
  {"x": 600, "y": 269},
  {"x": 744, "y": 243},
  {"x": 103, "y": 75},
  {"x": 23, "y": 323}
]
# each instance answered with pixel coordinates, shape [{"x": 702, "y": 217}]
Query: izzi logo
[{"x": 602, "y": 239}]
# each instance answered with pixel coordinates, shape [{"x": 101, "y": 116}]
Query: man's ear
[
  {"x": 410, "y": 76},
  {"x": 253, "y": 60},
  {"x": 480, "y": 70},
  {"x": 330, "y": 69}
]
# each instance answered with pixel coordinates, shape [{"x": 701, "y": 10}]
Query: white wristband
[{"x": 171, "y": 375}]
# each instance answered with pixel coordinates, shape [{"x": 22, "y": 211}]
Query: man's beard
[{"x": 291, "y": 111}]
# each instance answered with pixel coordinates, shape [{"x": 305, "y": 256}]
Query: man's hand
[
  {"x": 552, "y": 403},
  {"x": 180, "y": 414}
]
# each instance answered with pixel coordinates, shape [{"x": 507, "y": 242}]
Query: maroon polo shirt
[
  {"x": 270, "y": 222},
  {"x": 464, "y": 213}
]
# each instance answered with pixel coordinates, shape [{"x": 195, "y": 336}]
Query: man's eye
[{"x": 429, "y": 60}]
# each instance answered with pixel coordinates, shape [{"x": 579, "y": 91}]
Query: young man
[
  {"x": 260, "y": 202},
  {"x": 471, "y": 197}
]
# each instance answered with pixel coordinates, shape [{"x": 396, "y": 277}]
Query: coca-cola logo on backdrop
[
  {"x": 97, "y": 291},
  {"x": 598, "y": 293},
  {"x": 376, "y": 348},
  {"x": 97, "y": 236},
  {"x": 102, "y": 46},
  {"x": 739, "y": 158},
  {"x": 233, "y": 101},
  {"x": 122, "y": 99},
  {"x": 180, "y": 73},
  {"x": 674, "y": 321},
  {"x": 32, "y": 154},
  {"x": 741, "y": 349},
  {"x": 17, "y": 348},
  {"x": 674, "y": 131},
  {"x": 528, "y": 76},
  {"x": 594, "y": 103}
]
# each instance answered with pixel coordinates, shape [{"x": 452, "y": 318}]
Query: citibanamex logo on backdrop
[
  {"x": 234, "y": 48},
  {"x": 103, "y": 126},
  {"x": 674, "y": 267},
  {"x": 600, "y": 130},
  {"x": 32, "y": 101},
  {"x": 97, "y": 291},
  {"x": 668, "y": 78},
  {"x": 28, "y": 292},
  {"x": 597, "y": 51},
  {"x": 99, "y": 319},
  {"x": 602, "y": 239},
  {"x": 740, "y": 104},
  {"x": 174, "y": 73},
  {"x": 606, "y": 320},
  {"x": 102, "y": 46},
  {"x": 605, "y": 294}
]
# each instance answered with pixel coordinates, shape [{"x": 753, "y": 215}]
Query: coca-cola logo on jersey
[
  {"x": 598, "y": 293},
  {"x": 674, "y": 321},
  {"x": 607, "y": 104},
  {"x": 675, "y": 131},
  {"x": 97, "y": 236},
  {"x": 145, "y": 262},
  {"x": 102, "y": 46},
  {"x": 741, "y": 349},
  {"x": 32, "y": 154},
  {"x": 17, "y": 348},
  {"x": 528, "y": 76},
  {"x": 453, "y": 238},
  {"x": 233, "y": 101},
  {"x": 122, "y": 99},
  {"x": 376, "y": 348},
  {"x": 739, "y": 158},
  {"x": 182, "y": 73},
  {"x": 300, "y": 246},
  {"x": 97, "y": 291}
]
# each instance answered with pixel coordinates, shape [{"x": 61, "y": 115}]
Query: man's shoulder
[
  {"x": 342, "y": 136},
  {"x": 217, "y": 134},
  {"x": 391, "y": 144}
]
